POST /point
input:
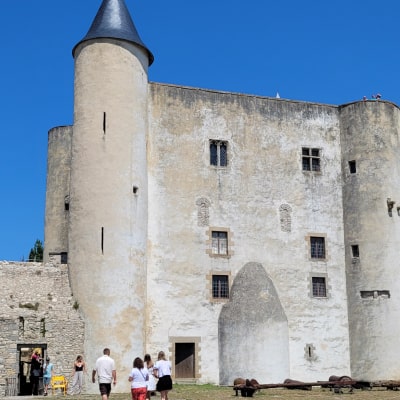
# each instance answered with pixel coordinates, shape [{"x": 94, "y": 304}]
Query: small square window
[
  {"x": 355, "y": 251},
  {"x": 317, "y": 247},
  {"x": 218, "y": 153},
  {"x": 311, "y": 159},
  {"x": 219, "y": 243},
  {"x": 64, "y": 257},
  {"x": 352, "y": 167},
  {"x": 220, "y": 286},
  {"x": 318, "y": 286}
]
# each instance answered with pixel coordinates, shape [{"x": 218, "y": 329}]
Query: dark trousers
[{"x": 35, "y": 385}]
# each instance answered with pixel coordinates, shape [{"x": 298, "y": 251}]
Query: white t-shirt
[
  {"x": 140, "y": 378},
  {"x": 163, "y": 367},
  {"x": 104, "y": 367}
]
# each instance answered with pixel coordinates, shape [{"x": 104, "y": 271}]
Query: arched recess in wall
[
  {"x": 203, "y": 211},
  {"x": 285, "y": 216},
  {"x": 253, "y": 330}
]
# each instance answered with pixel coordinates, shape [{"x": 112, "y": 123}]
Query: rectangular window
[
  {"x": 352, "y": 167},
  {"x": 355, "y": 251},
  {"x": 311, "y": 159},
  {"x": 220, "y": 287},
  {"x": 318, "y": 286},
  {"x": 365, "y": 294},
  {"x": 64, "y": 258},
  {"x": 317, "y": 247},
  {"x": 218, "y": 153},
  {"x": 219, "y": 243}
]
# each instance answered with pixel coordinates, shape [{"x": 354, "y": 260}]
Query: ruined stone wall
[{"x": 37, "y": 308}]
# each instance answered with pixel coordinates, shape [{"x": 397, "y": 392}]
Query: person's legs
[
  {"x": 35, "y": 385},
  {"x": 46, "y": 382},
  {"x": 139, "y": 393},
  {"x": 80, "y": 382},
  {"x": 143, "y": 393},
  {"x": 72, "y": 386},
  {"x": 105, "y": 390}
]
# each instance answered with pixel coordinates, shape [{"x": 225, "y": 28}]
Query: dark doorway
[
  {"x": 184, "y": 360},
  {"x": 25, "y": 352}
]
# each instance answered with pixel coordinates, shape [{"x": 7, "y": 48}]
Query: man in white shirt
[{"x": 106, "y": 373}]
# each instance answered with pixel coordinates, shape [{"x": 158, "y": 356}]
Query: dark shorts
[
  {"x": 105, "y": 388},
  {"x": 46, "y": 380},
  {"x": 164, "y": 383}
]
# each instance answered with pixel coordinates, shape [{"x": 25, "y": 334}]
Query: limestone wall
[
  {"x": 269, "y": 207},
  {"x": 57, "y": 191},
  {"x": 37, "y": 308},
  {"x": 370, "y": 142},
  {"x": 107, "y": 232}
]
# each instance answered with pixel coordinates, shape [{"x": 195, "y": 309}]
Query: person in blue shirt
[{"x": 47, "y": 374}]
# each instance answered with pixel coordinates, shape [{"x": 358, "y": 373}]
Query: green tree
[{"x": 36, "y": 253}]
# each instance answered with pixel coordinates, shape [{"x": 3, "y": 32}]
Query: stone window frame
[
  {"x": 229, "y": 245},
  {"x": 309, "y": 352},
  {"x": 197, "y": 358},
  {"x": 209, "y": 286},
  {"x": 308, "y": 239},
  {"x": 375, "y": 294},
  {"x": 218, "y": 143},
  {"x": 311, "y": 157},
  {"x": 328, "y": 287}
]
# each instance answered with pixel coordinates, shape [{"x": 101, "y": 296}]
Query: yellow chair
[{"x": 59, "y": 382}]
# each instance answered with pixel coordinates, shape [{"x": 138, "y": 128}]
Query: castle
[{"x": 243, "y": 235}]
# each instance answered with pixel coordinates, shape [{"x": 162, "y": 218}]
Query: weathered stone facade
[
  {"x": 156, "y": 174},
  {"x": 37, "y": 309},
  {"x": 243, "y": 235}
]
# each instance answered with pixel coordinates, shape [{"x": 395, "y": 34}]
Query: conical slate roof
[{"x": 114, "y": 21}]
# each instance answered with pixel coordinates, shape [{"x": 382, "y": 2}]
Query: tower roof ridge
[{"x": 113, "y": 20}]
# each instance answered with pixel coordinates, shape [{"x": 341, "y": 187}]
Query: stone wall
[
  {"x": 37, "y": 308},
  {"x": 269, "y": 207}
]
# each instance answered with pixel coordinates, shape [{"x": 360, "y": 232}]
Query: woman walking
[
  {"x": 138, "y": 378},
  {"x": 77, "y": 376},
  {"x": 162, "y": 371},
  {"x": 151, "y": 383}
]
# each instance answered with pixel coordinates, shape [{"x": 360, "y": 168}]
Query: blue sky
[{"x": 312, "y": 50}]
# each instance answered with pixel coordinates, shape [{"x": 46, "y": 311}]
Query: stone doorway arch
[{"x": 253, "y": 333}]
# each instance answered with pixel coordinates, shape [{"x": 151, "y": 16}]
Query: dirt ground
[{"x": 209, "y": 392}]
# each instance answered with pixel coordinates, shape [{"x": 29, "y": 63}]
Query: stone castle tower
[
  {"x": 220, "y": 227},
  {"x": 371, "y": 209},
  {"x": 106, "y": 232}
]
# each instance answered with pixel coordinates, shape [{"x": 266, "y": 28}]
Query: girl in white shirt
[
  {"x": 151, "y": 383},
  {"x": 162, "y": 371},
  {"x": 138, "y": 378}
]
